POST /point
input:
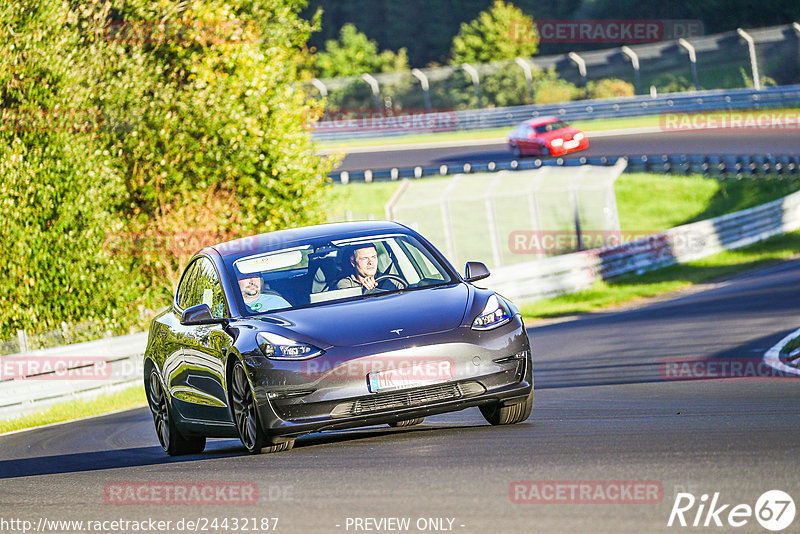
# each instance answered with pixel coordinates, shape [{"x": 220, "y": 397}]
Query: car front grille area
[{"x": 412, "y": 397}]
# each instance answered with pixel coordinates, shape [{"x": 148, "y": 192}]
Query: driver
[
  {"x": 364, "y": 260},
  {"x": 250, "y": 285}
]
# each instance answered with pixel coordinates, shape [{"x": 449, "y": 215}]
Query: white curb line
[{"x": 772, "y": 356}]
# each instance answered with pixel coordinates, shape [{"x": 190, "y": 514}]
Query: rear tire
[
  {"x": 407, "y": 422},
  {"x": 172, "y": 441},
  {"x": 497, "y": 414},
  {"x": 246, "y": 419}
]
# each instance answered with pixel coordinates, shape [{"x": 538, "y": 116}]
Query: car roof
[
  {"x": 246, "y": 246},
  {"x": 541, "y": 120}
]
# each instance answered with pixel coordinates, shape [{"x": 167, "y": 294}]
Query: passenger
[
  {"x": 364, "y": 260},
  {"x": 250, "y": 284}
]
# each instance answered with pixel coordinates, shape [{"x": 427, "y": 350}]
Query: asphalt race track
[
  {"x": 608, "y": 408},
  {"x": 705, "y": 142}
]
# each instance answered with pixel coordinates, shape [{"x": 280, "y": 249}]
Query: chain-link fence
[
  {"x": 511, "y": 217},
  {"x": 721, "y": 61}
]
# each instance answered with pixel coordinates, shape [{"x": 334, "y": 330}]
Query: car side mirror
[
  {"x": 199, "y": 315},
  {"x": 474, "y": 271}
]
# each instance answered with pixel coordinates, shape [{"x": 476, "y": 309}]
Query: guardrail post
[
  {"x": 693, "y": 59},
  {"x": 321, "y": 87},
  {"x": 426, "y": 86},
  {"x": 376, "y": 90},
  {"x": 579, "y": 61},
  {"x": 526, "y": 68},
  {"x": 628, "y": 51},
  {"x": 751, "y": 47},
  {"x": 476, "y": 81},
  {"x": 22, "y": 336}
]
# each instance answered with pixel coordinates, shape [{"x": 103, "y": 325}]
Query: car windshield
[
  {"x": 333, "y": 270},
  {"x": 550, "y": 126}
]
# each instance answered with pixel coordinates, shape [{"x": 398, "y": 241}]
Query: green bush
[
  {"x": 114, "y": 148},
  {"x": 610, "y": 88},
  {"x": 59, "y": 183},
  {"x": 550, "y": 89}
]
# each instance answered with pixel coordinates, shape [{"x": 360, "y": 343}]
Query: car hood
[
  {"x": 376, "y": 319},
  {"x": 563, "y": 133}
]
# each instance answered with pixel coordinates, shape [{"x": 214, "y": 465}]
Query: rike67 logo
[{"x": 774, "y": 510}]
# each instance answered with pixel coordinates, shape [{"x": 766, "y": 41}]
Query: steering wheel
[{"x": 394, "y": 277}]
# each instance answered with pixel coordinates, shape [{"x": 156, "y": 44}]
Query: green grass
[
  {"x": 359, "y": 201},
  {"x": 791, "y": 346},
  {"x": 645, "y": 202},
  {"x": 627, "y": 289},
  {"x": 131, "y": 397},
  {"x": 597, "y": 125},
  {"x": 657, "y": 202}
]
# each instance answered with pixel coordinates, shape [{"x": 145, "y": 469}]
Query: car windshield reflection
[{"x": 329, "y": 271}]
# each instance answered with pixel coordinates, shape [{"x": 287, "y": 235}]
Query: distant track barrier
[
  {"x": 371, "y": 126},
  {"x": 732, "y": 166}
]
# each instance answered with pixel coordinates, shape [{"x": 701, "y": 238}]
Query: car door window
[
  {"x": 186, "y": 290},
  {"x": 208, "y": 289}
]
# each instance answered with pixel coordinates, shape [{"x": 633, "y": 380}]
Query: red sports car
[{"x": 546, "y": 136}]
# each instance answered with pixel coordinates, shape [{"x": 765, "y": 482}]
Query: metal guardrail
[
  {"x": 724, "y": 166},
  {"x": 34, "y": 380},
  {"x": 573, "y": 272},
  {"x": 787, "y": 96}
]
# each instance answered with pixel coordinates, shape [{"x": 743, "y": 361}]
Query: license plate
[
  {"x": 570, "y": 144},
  {"x": 410, "y": 376}
]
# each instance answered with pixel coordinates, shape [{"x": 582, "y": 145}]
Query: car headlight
[
  {"x": 579, "y": 136},
  {"x": 494, "y": 314},
  {"x": 557, "y": 142},
  {"x": 278, "y": 347}
]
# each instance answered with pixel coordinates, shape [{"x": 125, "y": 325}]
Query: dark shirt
[{"x": 351, "y": 281}]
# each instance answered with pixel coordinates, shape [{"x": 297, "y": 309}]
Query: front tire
[
  {"x": 497, "y": 414},
  {"x": 172, "y": 441},
  {"x": 245, "y": 416}
]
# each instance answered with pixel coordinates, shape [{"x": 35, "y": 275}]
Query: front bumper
[
  {"x": 333, "y": 391},
  {"x": 564, "y": 149}
]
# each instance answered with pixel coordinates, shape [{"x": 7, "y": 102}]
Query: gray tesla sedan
[{"x": 330, "y": 327}]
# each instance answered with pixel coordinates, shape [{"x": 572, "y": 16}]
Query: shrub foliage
[{"x": 131, "y": 126}]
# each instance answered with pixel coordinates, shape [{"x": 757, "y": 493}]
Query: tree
[
  {"x": 139, "y": 127},
  {"x": 501, "y": 32},
  {"x": 58, "y": 185},
  {"x": 353, "y": 53}
]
